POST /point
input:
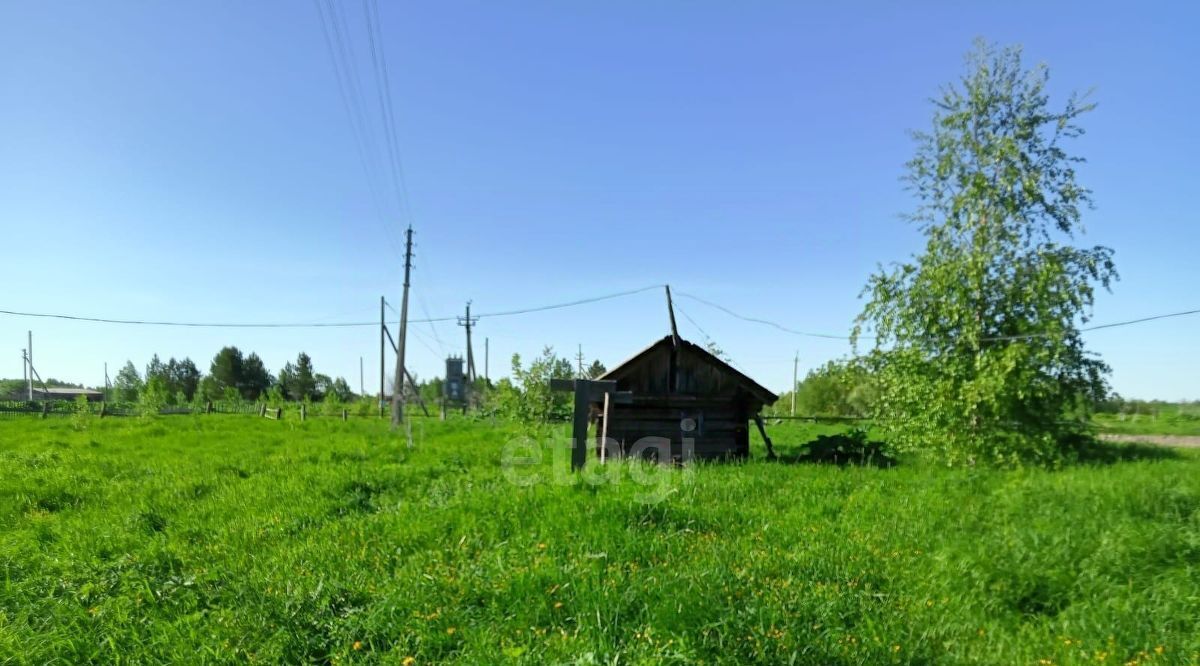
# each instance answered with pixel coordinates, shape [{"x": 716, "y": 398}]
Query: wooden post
[
  {"x": 795, "y": 367},
  {"x": 303, "y": 411},
  {"x": 208, "y": 407},
  {"x": 416, "y": 392},
  {"x": 344, "y": 415},
  {"x": 586, "y": 391},
  {"x": 604, "y": 429},
  {"x": 102, "y": 407},
  {"x": 762, "y": 429},
  {"x": 45, "y": 408}
]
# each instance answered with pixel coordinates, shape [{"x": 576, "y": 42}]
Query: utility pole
[
  {"x": 382, "y": 356},
  {"x": 579, "y": 362},
  {"x": 29, "y": 358},
  {"x": 24, "y": 368},
  {"x": 467, "y": 322},
  {"x": 361, "y": 387},
  {"x": 398, "y": 390},
  {"x": 487, "y": 380},
  {"x": 107, "y": 384},
  {"x": 795, "y": 367}
]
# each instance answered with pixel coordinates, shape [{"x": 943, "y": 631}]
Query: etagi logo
[{"x": 649, "y": 464}]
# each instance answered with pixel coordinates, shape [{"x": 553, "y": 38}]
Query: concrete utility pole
[
  {"x": 467, "y": 322},
  {"x": 361, "y": 386},
  {"x": 24, "y": 368},
  {"x": 398, "y": 390},
  {"x": 486, "y": 379},
  {"x": 795, "y": 367}
]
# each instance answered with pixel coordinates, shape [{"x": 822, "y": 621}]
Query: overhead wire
[
  {"x": 1024, "y": 336},
  {"x": 383, "y": 90},
  {"x": 506, "y": 313},
  {"x": 344, "y": 73},
  {"x": 764, "y": 322}
]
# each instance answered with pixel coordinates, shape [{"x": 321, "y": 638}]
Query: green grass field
[{"x": 235, "y": 539}]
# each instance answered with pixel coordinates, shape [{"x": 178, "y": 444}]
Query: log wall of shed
[{"x": 721, "y": 427}]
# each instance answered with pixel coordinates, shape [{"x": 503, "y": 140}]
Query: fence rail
[{"x": 47, "y": 408}]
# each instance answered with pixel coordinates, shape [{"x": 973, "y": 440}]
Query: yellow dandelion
[
  {"x": 450, "y": 630},
  {"x": 558, "y": 604},
  {"x": 541, "y": 546},
  {"x": 357, "y": 645},
  {"x": 896, "y": 648},
  {"x": 408, "y": 661},
  {"x": 1159, "y": 650}
]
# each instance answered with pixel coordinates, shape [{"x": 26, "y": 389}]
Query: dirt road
[{"x": 1188, "y": 441}]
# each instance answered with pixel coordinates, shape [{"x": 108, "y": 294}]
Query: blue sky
[{"x": 193, "y": 161}]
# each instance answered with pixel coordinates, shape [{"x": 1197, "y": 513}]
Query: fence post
[
  {"x": 344, "y": 415},
  {"x": 45, "y": 409},
  {"x": 208, "y": 407},
  {"x": 103, "y": 406},
  {"x": 303, "y": 411}
]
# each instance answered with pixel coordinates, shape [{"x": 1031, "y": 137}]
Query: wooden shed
[{"x": 677, "y": 391}]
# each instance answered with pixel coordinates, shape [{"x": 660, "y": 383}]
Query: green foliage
[
  {"x": 297, "y": 378},
  {"x": 82, "y": 415},
  {"x": 239, "y": 539},
  {"x": 230, "y": 369},
  {"x": 596, "y": 369},
  {"x": 154, "y": 396},
  {"x": 127, "y": 385},
  {"x": 838, "y": 388},
  {"x": 977, "y": 351},
  {"x": 527, "y": 397}
]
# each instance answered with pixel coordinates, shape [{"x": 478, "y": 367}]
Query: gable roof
[{"x": 745, "y": 383}]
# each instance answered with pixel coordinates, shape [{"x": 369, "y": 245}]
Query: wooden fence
[{"x": 48, "y": 408}]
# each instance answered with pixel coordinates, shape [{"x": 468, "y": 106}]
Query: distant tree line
[{"x": 232, "y": 375}]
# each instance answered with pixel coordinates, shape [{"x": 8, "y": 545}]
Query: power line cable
[
  {"x": 383, "y": 91},
  {"x": 1025, "y": 336},
  {"x": 582, "y": 301},
  {"x": 505, "y": 313},
  {"x": 708, "y": 339},
  {"x": 142, "y": 322},
  {"x": 359, "y": 129},
  {"x": 764, "y": 322}
]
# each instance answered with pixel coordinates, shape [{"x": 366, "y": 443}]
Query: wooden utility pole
[
  {"x": 398, "y": 389},
  {"x": 382, "y": 357},
  {"x": 795, "y": 367},
  {"x": 487, "y": 380},
  {"x": 579, "y": 362},
  {"x": 673, "y": 368},
  {"x": 362, "y": 390},
  {"x": 29, "y": 358}
]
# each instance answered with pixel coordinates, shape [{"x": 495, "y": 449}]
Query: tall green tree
[
  {"x": 127, "y": 384},
  {"x": 183, "y": 377},
  {"x": 298, "y": 380},
  {"x": 977, "y": 347},
  {"x": 226, "y": 369},
  {"x": 255, "y": 378}
]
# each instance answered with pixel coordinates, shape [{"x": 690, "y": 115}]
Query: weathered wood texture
[{"x": 707, "y": 405}]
